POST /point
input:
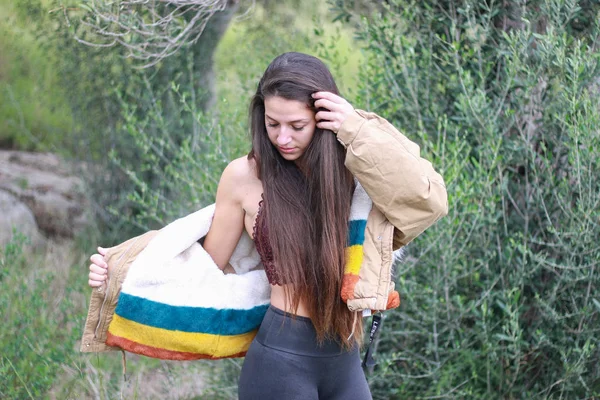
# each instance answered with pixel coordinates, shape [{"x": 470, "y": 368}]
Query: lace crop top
[{"x": 261, "y": 241}]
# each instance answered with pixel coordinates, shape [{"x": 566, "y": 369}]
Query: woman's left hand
[{"x": 336, "y": 110}]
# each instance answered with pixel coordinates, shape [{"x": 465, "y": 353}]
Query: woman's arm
[
  {"x": 228, "y": 222},
  {"x": 404, "y": 186},
  {"x": 224, "y": 233}
]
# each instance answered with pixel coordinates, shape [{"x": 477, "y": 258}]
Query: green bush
[
  {"x": 36, "y": 339},
  {"x": 34, "y": 112},
  {"x": 43, "y": 298},
  {"x": 500, "y": 298},
  {"x": 274, "y": 28},
  {"x": 174, "y": 172}
]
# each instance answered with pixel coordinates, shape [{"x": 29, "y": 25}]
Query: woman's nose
[{"x": 284, "y": 137}]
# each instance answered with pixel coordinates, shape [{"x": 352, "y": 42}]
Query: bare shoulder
[
  {"x": 241, "y": 170},
  {"x": 239, "y": 179}
]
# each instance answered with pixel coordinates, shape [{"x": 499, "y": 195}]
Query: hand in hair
[{"x": 336, "y": 110}]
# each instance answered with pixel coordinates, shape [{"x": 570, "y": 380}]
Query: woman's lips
[{"x": 286, "y": 150}]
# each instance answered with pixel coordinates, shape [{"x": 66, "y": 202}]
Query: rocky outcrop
[
  {"x": 46, "y": 186},
  {"x": 16, "y": 215}
]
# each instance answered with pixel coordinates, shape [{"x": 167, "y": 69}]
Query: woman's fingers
[
  {"x": 98, "y": 269},
  {"x": 325, "y": 115},
  {"x": 329, "y": 96},
  {"x": 328, "y": 105},
  {"x": 328, "y": 125},
  {"x": 93, "y": 283},
  {"x": 102, "y": 251},
  {"x": 331, "y": 101},
  {"x": 336, "y": 110},
  {"x": 98, "y": 260},
  {"x": 96, "y": 277},
  {"x": 95, "y": 269},
  {"x": 329, "y": 120}
]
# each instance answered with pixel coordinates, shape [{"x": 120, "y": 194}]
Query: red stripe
[
  {"x": 149, "y": 351},
  {"x": 348, "y": 283}
]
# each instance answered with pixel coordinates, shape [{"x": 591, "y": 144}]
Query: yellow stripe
[
  {"x": 201, "y": 343},
  {"x": 354, "y": 257}
]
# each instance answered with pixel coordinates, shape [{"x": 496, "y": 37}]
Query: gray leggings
[{"x": 284, "y": 362}]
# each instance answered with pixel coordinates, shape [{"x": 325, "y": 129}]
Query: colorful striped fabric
[
  {"x": 359, "y": 212},
  {"x": 176, "y": 304},
  {"x": 180, "y": 332},
  {"x": 188, "y": 310}
]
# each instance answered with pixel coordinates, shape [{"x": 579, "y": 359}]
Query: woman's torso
[{"x": 252, "y": 192}]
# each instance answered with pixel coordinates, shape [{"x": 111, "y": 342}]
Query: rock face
[
  {"x": 46, "y": 186},
  {"x": 16, "y": 214}
]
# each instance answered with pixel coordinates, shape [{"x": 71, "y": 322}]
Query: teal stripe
[
  {"x": 356, "y": 232},
  {"x": 189, "y": 319}
]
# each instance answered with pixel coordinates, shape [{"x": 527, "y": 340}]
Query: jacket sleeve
[{"x": 404, "y": 186}]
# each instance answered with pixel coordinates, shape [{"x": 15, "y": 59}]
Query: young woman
[{"x": 292, "y": 193}]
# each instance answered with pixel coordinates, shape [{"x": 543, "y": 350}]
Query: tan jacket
[
  {"x": 408, "y": 196},
  {"x": 103, "y": 300}
]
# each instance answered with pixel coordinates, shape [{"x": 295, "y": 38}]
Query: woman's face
[{"x": 290, "y": 125}]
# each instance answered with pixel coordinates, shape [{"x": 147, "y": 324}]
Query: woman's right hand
[{"x": 98, "y": 268}]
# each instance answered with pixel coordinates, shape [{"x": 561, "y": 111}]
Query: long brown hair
[{"x": 306, "y": 211}]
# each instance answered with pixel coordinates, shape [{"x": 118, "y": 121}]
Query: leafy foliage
[
  {"x": 34, "y": 112},
  {"x": 34, "y": 344},
  {"x": 500, "y": 298},
  {"x": 174, "y": 172}
]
